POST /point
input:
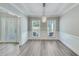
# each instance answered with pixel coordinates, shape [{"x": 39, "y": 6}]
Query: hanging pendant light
[{"x": 44, "y": 17}]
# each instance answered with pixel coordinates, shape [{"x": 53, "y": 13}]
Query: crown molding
[
  {"x": 8, "y": 11},
  {"x": 17, "y": 8},
  {"x": 73, "y": 6}
]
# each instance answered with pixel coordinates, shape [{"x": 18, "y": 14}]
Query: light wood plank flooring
[
  {"x": 9, "y": 49},
  {"x": 36, "y": 48},
  {"x": 45, "y": 48}
]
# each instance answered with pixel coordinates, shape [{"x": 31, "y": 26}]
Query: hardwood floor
[
  {"x": 36, "y": 48},
  {"x": 45, "y": 48},
  {"x": 9, "y": 49}
]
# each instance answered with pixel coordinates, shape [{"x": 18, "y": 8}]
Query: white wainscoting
[
  {"x": 70, "y": 41},
  {"x": 43, "y": 36}
]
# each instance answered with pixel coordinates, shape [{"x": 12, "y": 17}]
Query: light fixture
[{"x": 44, "y": 17}]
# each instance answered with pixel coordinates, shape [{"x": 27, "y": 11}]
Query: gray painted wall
[
  {"x": 24, "y": 30},
  {"x": 69, "y": 29},
  {"x": 16, "y": 27},
  {"x": 8, "y": 26},
  {"x": 69, "y": 22},
  {"x": 43, "y": 27}
]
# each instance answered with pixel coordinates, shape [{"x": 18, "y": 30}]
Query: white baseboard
[{"x": 70, "y": 41}]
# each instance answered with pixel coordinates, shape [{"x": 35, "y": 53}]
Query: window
[
  {"x": 35, "y": 28},
  {"x": 50, "y": 28}
]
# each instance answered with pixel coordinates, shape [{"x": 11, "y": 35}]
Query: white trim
[
  {"x": 67, "y": 10},
  {"x": 17, "y": 8},
  {"x": 47, "y": 27},
  {"x": 71, "y": 41},
  {"x": 39, "y": 28},
  {"x": 9, "y": 11}
]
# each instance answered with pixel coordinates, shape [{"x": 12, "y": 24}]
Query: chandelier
[{"x": 44, "y": 17}]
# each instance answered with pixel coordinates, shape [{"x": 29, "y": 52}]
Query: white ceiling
[{"x": 36, "y": 9}]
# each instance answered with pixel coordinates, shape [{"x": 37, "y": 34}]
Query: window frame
[
  {"x": 38, "y": 29},
  {"x": 48, "y": 28}
]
